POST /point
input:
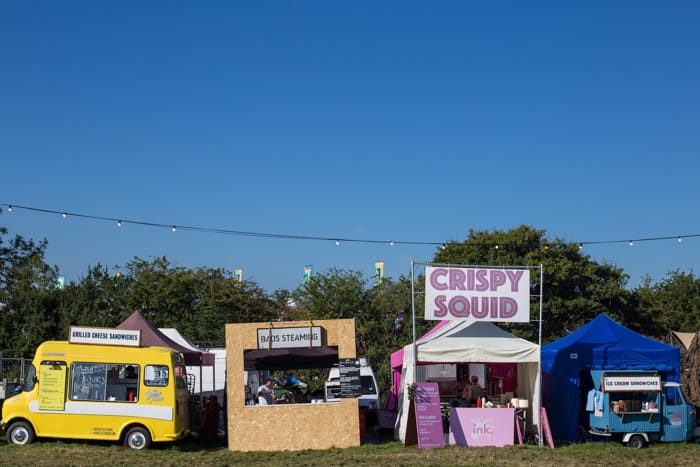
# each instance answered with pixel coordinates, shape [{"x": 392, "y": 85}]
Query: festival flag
[
  {"x": 378, "y": 272},
  {"x": 239, "y": 274},
  {"x": 307, "y": 274}
]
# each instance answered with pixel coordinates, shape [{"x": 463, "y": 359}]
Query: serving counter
[{"x": 482, "y": 426}]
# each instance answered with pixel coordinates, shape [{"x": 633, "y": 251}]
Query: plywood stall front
[{"x": 287, "y": 427}]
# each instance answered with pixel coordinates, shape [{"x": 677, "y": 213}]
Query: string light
[{"x": 441, "y": 245}]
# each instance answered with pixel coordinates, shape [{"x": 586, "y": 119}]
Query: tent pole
[
  {"x": 539, "y": 362},
  {"x": 413, "y": 313}
]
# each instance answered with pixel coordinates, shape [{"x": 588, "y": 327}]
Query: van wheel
[
  {"x": 637, "y": 442},
  {"x": 20, "y": 433},
  {"x": 137, "y": 438}
]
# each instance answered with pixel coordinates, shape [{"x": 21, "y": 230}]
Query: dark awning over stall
[{"x": 284, "y": 359}]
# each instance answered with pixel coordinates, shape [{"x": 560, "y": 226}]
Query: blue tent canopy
[{"x": 602, "y": 344}]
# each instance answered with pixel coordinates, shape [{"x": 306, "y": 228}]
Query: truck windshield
[
  {"x": 367, "y": 383},
  {"x": 31, "y": 379}
]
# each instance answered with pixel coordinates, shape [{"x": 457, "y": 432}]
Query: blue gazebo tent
[{"x": 602, "y": 344}]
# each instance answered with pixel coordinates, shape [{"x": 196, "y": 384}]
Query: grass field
[{"x": 386, "y": 452}]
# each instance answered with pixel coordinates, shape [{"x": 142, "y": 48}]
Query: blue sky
[{"x": 391, "y": 120}]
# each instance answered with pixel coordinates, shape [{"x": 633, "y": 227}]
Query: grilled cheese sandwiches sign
[
  {"x": 104, "y": 336},
  {"x": 289, "y": 338}
]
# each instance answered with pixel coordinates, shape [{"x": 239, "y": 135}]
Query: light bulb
[
  {"x": 337, "y": 242},
  {"x": 680, "y": 239},
  {"x": 9, "y": 208},
  {"x": 119, "y": 223},
  {"x": 174, "y": 228},
  {"x": 64, "y": 215},
  {"x": 391, "y": 243},
  {"x": 631, "y": 242}
]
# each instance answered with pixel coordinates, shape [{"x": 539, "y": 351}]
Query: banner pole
[
  {"x": 413, "y": 313},
  {"x": 539, "y": 361}
]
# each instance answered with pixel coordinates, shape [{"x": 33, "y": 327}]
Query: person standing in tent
[{"x": 473, "y": 392}]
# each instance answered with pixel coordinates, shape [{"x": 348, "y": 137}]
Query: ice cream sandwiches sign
[{"x": 477, "y": 294}]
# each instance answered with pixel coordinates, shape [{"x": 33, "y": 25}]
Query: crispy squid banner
[{"x": 477, "y": 294}]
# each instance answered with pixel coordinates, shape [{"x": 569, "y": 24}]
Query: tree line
[{"x": 200, "y": 301}]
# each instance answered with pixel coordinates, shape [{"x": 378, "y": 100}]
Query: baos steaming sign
[{"x": 477, "y": 294}]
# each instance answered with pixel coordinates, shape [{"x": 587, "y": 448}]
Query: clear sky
[{"x": 379, "y": 120}]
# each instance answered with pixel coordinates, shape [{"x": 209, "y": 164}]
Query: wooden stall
[{"x": 288, "y": 427}]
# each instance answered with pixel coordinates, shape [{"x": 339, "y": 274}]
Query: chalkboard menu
[
  {"x": 350, "y": 384},
  {"x": 89, "y": 381}
]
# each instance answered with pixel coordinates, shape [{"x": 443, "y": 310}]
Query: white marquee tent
[{"x": 461, "y": 342}]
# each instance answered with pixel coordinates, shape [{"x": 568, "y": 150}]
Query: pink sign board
[
  {"x": 482, "y": 427},
  {"x": 477, "y": 294},
  {"x": 428, "y": 416}
]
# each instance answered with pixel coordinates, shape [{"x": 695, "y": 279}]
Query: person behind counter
[
  {"x": 461, "y": 388},
  {"x": 473, "y": 392},
  {"x": 266, "y": 396},
  {"x": 461, "y": 385}
]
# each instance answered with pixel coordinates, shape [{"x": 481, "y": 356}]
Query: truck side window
[
  {"x": 88, "y": 381},
  {"x": 672, "y": 396},
  {"x": 156, "y": 375}
]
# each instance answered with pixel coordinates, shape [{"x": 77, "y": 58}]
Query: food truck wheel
[
  {"x": 20, "y": 433},
  {"x": 137, "y": 438},
  {"x": 637, "y": 442}
]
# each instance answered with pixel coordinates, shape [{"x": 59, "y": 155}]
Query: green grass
[{"x": 388, "y": 453}]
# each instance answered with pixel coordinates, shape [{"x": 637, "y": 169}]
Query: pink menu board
[{"x": 428, "y": 416}]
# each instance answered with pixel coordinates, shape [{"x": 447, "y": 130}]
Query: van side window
[
  {"x": 156, "y": 375},
  {"x": 112, "y": 382},
  {"x": 672, "y": 396},
  {"x": 88, "y": 381}
]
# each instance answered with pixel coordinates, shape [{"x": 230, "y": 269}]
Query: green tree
[
  {"x": 338, "y": 294},
  {"x": 28, "y": 296},
  {"x": 672, "y": 304},
  {"x": 97, "y": 299}
]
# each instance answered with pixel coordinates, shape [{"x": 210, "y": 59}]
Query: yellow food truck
[{"x": 101, "y": 384}]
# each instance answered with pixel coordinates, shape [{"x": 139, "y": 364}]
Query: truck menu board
[
  {"x": 350, "y": 383},
  {"x": 52, "y": 388}
]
